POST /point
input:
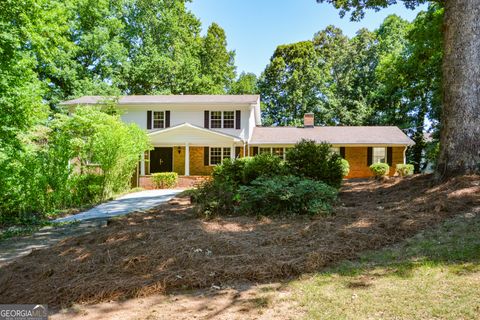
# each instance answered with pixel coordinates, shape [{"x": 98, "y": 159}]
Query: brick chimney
[{"x": 309, "y": 120}]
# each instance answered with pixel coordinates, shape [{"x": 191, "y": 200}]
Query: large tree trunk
[{"x": 460, "y": 131}]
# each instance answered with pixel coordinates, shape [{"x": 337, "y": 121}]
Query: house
[{"x": 193, "y": 133}]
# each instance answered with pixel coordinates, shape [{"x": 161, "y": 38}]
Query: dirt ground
[{"x": 168, "y": 250}]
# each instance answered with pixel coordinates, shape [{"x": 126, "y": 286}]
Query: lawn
[
  {"x": 434, "y": 275},
  {"x": 169, "y": 250}
]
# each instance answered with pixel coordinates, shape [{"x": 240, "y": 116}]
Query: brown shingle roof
[
  {"x": 364, "y": 135},
  {"x": 170, "y": 99}
]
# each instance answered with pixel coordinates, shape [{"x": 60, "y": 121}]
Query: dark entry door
[{"x": 161, "y": 160}]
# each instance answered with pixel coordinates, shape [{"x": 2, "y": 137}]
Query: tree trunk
[{"x": 460, "y": 131}]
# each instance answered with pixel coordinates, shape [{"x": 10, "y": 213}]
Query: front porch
[{"x": 188, "y": 150}]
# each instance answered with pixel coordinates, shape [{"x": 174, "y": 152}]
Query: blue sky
[{"x": 255, "y": 28}]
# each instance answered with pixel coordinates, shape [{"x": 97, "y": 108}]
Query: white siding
[{"x": 193, "y": 115}]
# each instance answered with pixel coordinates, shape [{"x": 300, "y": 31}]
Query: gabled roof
[
  {"x": 189, "y": 133},
  {"x": 168, "y": 99},
  {"x": 358, "y": 135}
]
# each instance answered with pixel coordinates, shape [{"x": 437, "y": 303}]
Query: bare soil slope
[{"x": 168, "y": 249}]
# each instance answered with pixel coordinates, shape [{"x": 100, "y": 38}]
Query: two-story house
[{"x": 193, "y": 133}]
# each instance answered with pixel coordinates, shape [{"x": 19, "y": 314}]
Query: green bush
[
  {"x": 244, "y": 170},
  {"x": 345, "y": 167},
  {"x": 380, "y": 169},
  {"x": 315, "y": 161},
  {"x": 164, "y": 180},
  {"x": 404, "y": 169},
  {"x": 215, "y": 198},
  {"x": 285, "y": 195}
]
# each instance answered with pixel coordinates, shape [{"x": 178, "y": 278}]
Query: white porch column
[
  {"x": 142, "y": 164},
  {"x": 187, "y": 159},
  {"x": 232, "y": 152}
]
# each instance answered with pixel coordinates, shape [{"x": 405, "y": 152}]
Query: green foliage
[
  {"x": 380, "y": 169},
  {"x": 404, "y": 169},
  {"x": 315, "y": 161},
  {"x": 164, "y": 180},
  {"x": 289, "y": 84},
  {"x": 345, "y": 167},
  {"x": 286, "y": 195},
  {"x": 72, "y": 161},
  {"x": 245, "y": 170},
  {"x": 245, "y": 84},
  {"x": 215, "y": 197}
]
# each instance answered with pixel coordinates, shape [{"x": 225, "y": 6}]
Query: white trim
[
  {"x": 187, "y": 159},
  {"x": 188, "y": 125},
  {"x": 153, "y": 119},
  {"x": 222, "y": 119},
  {"x": 221, "y": 155}
]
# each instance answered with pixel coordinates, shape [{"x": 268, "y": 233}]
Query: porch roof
[{"x": 191, "y": 134}]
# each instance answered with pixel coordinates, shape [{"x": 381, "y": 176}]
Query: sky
[{"x": 254, "y": 28}]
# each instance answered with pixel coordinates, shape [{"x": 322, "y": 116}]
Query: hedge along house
[{"x": 193, "y": 133}]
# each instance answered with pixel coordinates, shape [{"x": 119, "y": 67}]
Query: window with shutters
[
  {"x": 278, "y": 152},
  {"x": 379, "y": 155},
  {"x": 217, "y": 155},
  {"x": 222, "y": 119},
  {"x": 215, "y": 119},
  {"x": 158, "y": 119},
  {"x": 229, "y": 119}
]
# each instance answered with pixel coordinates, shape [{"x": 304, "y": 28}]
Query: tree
[
  {"x": 460, "y": 121},
  {"x": 218, "y": 68},
  {"x": 245, "y": 84},
  {"x": 290, "y": 85}
]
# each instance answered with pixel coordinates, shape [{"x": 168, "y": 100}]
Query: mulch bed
[{"x": 168, "y": 248}]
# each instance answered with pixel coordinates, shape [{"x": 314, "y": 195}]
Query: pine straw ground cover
[{"x": 168, "y": 248}]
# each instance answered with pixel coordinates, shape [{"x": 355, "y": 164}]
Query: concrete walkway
[
  {"x": 89, "y": 221},
  {"x": 137, "y": 201}
]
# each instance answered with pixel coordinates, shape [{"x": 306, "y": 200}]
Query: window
[
  {"x": 222, "y": 119},
  {"x": 264, "y": 150},
  {"x": 216, "y": 119},
  {"x": 218, "y": 154},
  {"x": 335, "y": 150},
  {"x": 229, "y": 119},
  {"x": 158, "y": 119},
  {"x": 379, "y": 155},
  {"x": 278, "y": 152}
]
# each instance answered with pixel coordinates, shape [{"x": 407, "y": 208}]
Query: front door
[{"x": 161, "y": 160}]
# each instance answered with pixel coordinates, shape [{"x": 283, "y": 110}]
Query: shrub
[
  {"x": 315, "y": 161},
  {"x": 164, "y": 180},
  {"x": 214, "y": 197},
  {"x": 245, "y": 170},
  {"x": 288, "y": 195},
  {"x": 380, "y": 169},
  {"x": 404, "y": 169},
  {"x": 345, "y": 167}
]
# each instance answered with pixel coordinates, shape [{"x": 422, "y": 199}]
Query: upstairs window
[
  {"x": 158, "y": 119},
  {"x": 229, "y": 119},
  {"x": 217, "y": 155},
  {"x": 379, "y": 155},
  {"x": 216, "y": 119},
  {"x": 222, "y": 119}
]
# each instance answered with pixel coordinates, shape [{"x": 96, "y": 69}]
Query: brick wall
[
  {"x": 357, "y": 158},
  {"x": 197, "y": 167}
]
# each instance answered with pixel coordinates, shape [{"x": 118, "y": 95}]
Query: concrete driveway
[{"x": 137, "y": 201}]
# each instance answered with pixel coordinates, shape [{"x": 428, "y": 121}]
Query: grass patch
[{"x": 434, "y": 275}]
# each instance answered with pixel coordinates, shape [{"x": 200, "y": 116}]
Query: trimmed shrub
[
  {"x": 315, "y": 161},
  {"x": 286, "y": 195},
  {"x": 380, "y": 169},
  {"x": 345, "y": 167},
  {"x": 164, "y": 180},
  {"x": 404, "y": 169}
]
